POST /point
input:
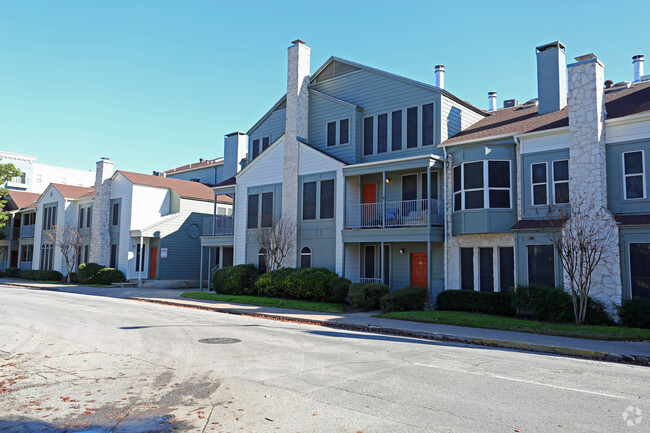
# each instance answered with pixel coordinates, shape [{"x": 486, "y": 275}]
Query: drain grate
[{"x": 219, "y": 340}]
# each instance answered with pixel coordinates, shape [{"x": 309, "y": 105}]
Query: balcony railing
[
  {"x": 16, "y": 233},
  {"x": 390, "y": 214},
  {"x": 223, "y": 226},
  {"x": 28, "y": 231},
  {"x": 369, "y": 280},
  {"x": 24, "y": 266}
]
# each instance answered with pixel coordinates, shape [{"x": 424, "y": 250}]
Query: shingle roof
[
  {"x": 195, "y": 165},
  {"x": 184, "y": 188},
  {"x": 537, "y": 224},
  {"x": 22, "y": 199},
  {"x": 230, "y": 181},
  {"x": 71, "y": 191},
  {"x": 524, "y": 118}
]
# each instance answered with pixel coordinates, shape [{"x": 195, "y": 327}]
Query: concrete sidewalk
[{"x": 618, "y": 351}]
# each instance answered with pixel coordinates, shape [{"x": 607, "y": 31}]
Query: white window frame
[
  {"x": 310, "y": 254},
  {"x": 486, "y": 181},
  {"x": 486, "y": 185},
  {"x": 642, "y": 174},
  {"x": 532, "y": 184},
  {"x": 554, "y": 182}
]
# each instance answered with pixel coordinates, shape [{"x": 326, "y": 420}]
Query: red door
[
  {"x": 14, "y": 259},
  {"x": 419, "y": 277},
  {"x": 369, "y": 207},
  {"x": 153, "y": 261}
]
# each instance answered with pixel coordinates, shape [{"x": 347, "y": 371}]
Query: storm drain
[{"x": 219, "y": 340}]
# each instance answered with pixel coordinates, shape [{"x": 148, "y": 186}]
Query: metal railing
[
  {"x": 404, "y": 213},
  {"x": 369, "y": 280},
  {"x": 28, "y": 231},
  {"x": 223, "y": 226},
  {"x": 24, "y": 266}
]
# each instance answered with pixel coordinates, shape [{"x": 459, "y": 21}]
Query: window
[
  {"x": 267, "y": 209},
  {"x": 467, "y": 268},
  {"x": 432, "y": 186},
  {"x": 473, "y": 185},
  {"x": 47, "y": 256},
  {"x": 49, "y": 217},
  {"x": 89, "y": 216},
  {"x": 115, "y": 219},
  {"x": 256, "y": 148},
  {"x": 541, "y": 265},
  {"x": 305, "y": 257},
  {"x": 27, "y": 253},
  {"x": 410, "y": 187},
  {"x": 458, "y": 187},
  {"x": 427, "y": 124},
  {"x": 309, "y": 201},
  {"x": 368, "y": 136},
  {"x": 139, "y": 258},
  {"x": 538, "y": 176},
  {"x": 82, "y": 217},
  {"x": 369, "y": 262},
  {"x": 633, "y": 164},
  {"x": 253, "y": 210},
  {"x": 561, "y": 181},
  {"x": 506, "y": 268},
  {"x": 266, "y": 142},
  {"x": 411, "y": 127},
  {"x": 331, "y": 134},
  {"x": 86, "y": 253},
  {"x": 640, "y": 269},
  {"x": 113, "y": 263},
  {"x": 39, "y": 178},
  {"x": 327, "y": 199},
  {"x": 396, "y": 130},
  {"x": 499, "y": 184},
  {"x": 344, "y": 131},
  {"x": 382, "y": 133},
  {"x": 261, "y": 261},
  {"x": 486, "y": 269}
]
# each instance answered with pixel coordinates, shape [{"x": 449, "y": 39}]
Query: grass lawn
[
  {"x": 474, "y": 320},
  {"x": 63, "y": 283},
  {"x": 323, "y": 307}
]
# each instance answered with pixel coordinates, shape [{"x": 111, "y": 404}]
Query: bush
[
  {"x": 634, "y": 313},
  {"x": 110, "y": 275},
  {"x": 2, "y": 274},
  {"x": 12, "y": 272},
  {"x": 337, "y": 289},
  {"x": 309, "y": 283},
  {"x": 406, "y": 299},
  {"x": 499, "y": 303},
  {"x": 87, "y": 273},
  {"x": 274, "y": 283},
  {"x": 235, "y": 280},
  {"x": 43, "y": 275},
  {"x": 366, "y": 296},
  {"x": 73, "y": 277}
]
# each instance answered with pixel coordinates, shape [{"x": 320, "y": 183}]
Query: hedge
[
  {"x": 406, "y": 299},
  {"x": 366, "y": 296},
  {"x": 634, "y": 313},
  {"x": 274, "y": 283},
  {"x": 2, "y": 274},
  {"x": 43, "y": 275},
  {"x": 337, "y": 289},
  {"x": 12, "y": 272},
  {"x": 235, "y": 280},
  {"x": 499, "y": 303},
  {"x": 305, "y": 283},
  {"x": 110, "y": 275},
  {"x": 87, "y": 273}
]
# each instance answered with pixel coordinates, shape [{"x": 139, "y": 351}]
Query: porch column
[
  {"x": 429, "y": 288},
  {"x": 383, "y": 199},
  {"x": 428, "y": 195},
  {"x": 140, "y": 260},
  {"x": 220, "y": 257},
  {"x": 214, "y": 214},
  {"x": 381, "y": 266},
  {"x": 201, "y": 271}
]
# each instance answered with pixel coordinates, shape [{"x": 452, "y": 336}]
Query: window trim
[
  {"x": 486, "y": 186},
  {"x": 642, "y": 174},
  {"x": 337, "y": 132},
  {"x": 310, "y": 254},
  {"x": 629, "y": 267},
  {"x": 532, "y": 184},
  {"x": 559, "y": 181}
]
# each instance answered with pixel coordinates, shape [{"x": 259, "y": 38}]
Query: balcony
[
  {"x": 394, "y": 214},
  {"x": 218, "y": 226},
  {"x": 28, "y": 231}
]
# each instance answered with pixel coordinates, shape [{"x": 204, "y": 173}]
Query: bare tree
[
  {"x": 68, "y": 239},
  {"x": 582, "y": 243},
  {"x": 277, "y": 242}
]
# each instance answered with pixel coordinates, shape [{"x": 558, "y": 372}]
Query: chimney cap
[
  {"x": 235, "y": 133},
  {"x": 440, "y": 67},
  {"x": 105, "y": 158},
  {"x": 556, "y": 44},
  {"x": 637, "y": 58},
  {"x": 492, "y": 93},
  {"x": 298, "y": 41},
  {"x": 586, "y": 57}
]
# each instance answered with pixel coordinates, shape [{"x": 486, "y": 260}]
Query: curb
[{"x": 517, "y": 345}]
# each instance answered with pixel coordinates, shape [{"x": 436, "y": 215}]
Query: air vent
[{"x": 509, "y": 103}]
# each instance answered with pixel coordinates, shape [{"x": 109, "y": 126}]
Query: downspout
[{"x": 445, "y": 188}]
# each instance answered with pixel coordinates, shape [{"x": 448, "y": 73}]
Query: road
[{"x": 79, "y": 363}]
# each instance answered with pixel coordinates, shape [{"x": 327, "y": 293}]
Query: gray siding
[
  {"x": 629, "y": 235},
  {"x": 528, "y": 210},
  {"x": 615, "y": 193},
  {"x": 272, "y": 127},
  {"x": 205, "y": 175},
  {"x": 455, "y": 118},
  {"x": 323, "y": 110},
  {"x": 252, "y": 245},
  {"x": 522, "y": 240}
]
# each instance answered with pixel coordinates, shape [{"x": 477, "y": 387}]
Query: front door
[
  {"x": 153, "y": 261},
  {"x": 419, "y": 276},
  {"x": 14, "y": 259},
  {"x": 369, "y": 207}
]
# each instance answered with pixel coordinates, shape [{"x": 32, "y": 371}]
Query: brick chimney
[{"x": 100, "y": 245}]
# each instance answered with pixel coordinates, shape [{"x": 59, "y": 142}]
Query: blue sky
[{"x": 156, "y": 84}]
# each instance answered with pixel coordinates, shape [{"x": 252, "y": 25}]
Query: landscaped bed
[
  {"x": 323, "y": 307},
  {"x": 474, "y": 320}
]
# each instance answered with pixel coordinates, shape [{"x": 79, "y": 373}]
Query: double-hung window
[
  {"x": 396, "y": 130},
  {"x": 539, "y": 181},
  {"x": 634, "y": 174},
  {"x": 561, "y": 181},
  {"x": 499, "y": 184}
]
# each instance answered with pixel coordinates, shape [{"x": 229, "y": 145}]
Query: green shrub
[
  {"x": 12, "y": 272},
  {"x": 274, "y": 283},
  {"x": 43, "y": 275},
  {"x": 87, "y": 273},
  {"x": 635, "y": 313},
  {"x": 110, "y": 275},
  {"x": 73, "y": 277},
  {"x": 309, "y": 283},
  {"x": 366, "y": 296},
  {"x": 406, "y": 299},
  {"x": 2, "y": 274},
  {"x": 337, "y": 289},
  {"x": 235, "y": 280},
  {"x": 499, "y": 303}
]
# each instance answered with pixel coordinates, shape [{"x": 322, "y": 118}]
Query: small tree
[
  {"x": 68, "y": 239},
  {"x": 582, "y": 242},
  {"x": 7, "y": 172},
  {"x": 277, "y": 242}
]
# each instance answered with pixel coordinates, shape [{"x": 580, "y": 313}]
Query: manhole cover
[{"x": 219, "y": 340}]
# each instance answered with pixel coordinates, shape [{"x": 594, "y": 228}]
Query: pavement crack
[{"x": 207, "y": 421}]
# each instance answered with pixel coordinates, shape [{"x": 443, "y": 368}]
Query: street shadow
[{"x": 137, "y": 425}]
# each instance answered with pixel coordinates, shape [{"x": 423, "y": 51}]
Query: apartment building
[{"x": 17, "y": 236}]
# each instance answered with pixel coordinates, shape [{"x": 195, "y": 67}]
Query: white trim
[
  {"x": 478, "y": 140},
  {"x": 429, "y": 156},
  {"x": 253, "y": 161},
  {"x": 310, "y": 254},
  {"x": 333, "y": 99},
  {"x": 628, "y": 119},
  {"x": 642, "y": 174},
  {"x": 533, "y": 184},
  {"x": 486, "y": 185},
  {"x": 554, "y": 182},
  {"x": 543, "y": 133}
]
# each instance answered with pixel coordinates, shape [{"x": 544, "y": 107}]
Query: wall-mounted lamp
[
  {"x": 401, "y": 250},
  {"x": 388, "y": 180}
]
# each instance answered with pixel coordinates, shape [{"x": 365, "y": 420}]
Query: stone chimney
[
  {"x": 100, "y": 245},
  {"x": 234, "y": 150},
  {"x": 296, "y": 128},
  {"x": 440, "y": 76},
  {"x": 551, "y": 77}
]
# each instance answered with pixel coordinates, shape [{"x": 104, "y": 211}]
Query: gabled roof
[
  {"x": 195, "y": 165},
  {"x": 322, "y": 152},
  {"x": 18, "y": 200},
  {"x": 183, "y": 188},
  {"x": 525, "y": 118},
  {"x": 73, "y": 192}
]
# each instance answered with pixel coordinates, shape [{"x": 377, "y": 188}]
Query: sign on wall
[{"x": 163, "y": 253}]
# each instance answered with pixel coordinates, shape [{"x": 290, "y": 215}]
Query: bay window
[{"x": 482, "y": 185}]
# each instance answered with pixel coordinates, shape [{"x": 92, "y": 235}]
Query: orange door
[
  {"x": 369, "y": 199},
  {"x": 419, "y": 270},
  {"x": 153, "y": 261}
]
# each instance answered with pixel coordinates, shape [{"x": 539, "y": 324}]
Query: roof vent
[
  {"x": 492, "y": 101},
  {"x": 637, "y": 61},
  {"x": 534, "y": 102},
  {"x": 625, "y": 84},
  {"x": 440, "y": 76},
  {"x": 509, "y": 103},
  {"x": 609, "y": 84}
]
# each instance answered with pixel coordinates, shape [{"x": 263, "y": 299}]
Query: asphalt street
[{"x": 79, "y": 363}]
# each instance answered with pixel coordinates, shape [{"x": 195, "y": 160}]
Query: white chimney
[
  {"x": 234, "y": 150},
  {"x": 637, "y": 61},
  {"x": 100, "y": 245},
  {"x": 492, "y": 101},
  {"x": 440, "y": 76}
]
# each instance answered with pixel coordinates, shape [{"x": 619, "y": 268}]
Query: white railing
[
  {"x": 24, "y": 266},
  {"x": 223, "y": 226},
  {"x": 369, "y": 280},
  {"x": 404, "y": 213},
  {"x": 28, "y": 231}
]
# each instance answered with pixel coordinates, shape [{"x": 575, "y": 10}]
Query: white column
[
  {"x": 201, "y": 271},
  {"x": 139, "y": 259}
]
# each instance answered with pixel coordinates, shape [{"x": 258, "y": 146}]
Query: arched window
[
  {"x": 261, "y": 261},
  {"x": 305, "y": 257}
]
